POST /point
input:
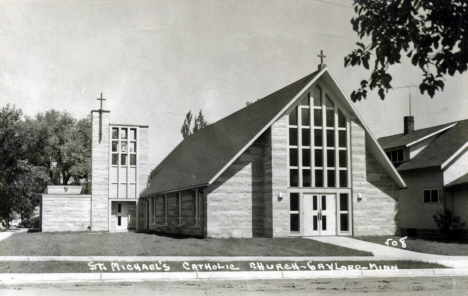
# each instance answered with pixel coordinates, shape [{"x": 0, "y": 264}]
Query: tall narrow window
[
  {"x": 179, "y": 208},
  {"x": 195, "y": 208},
  {"x": 165, "y": 208},
  {"x": 294, "y": 212},
  {"x": 318, "y": 143},
  {"x": 154, "y": 207},
  {"x": 344, "y": 212}
]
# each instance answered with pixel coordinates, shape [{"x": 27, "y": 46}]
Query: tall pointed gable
[{"x": 199, "y": 158}]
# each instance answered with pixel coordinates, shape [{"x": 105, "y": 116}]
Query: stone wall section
[
  {"x": 143, "y": 168},
  {"x": 267, "y": 185},
  {"x": 234, "y": 206},
  {"x": 279, "y": 178},
  {"x": 65, "y": 212},
  {"x": 377, "y": 212},
  {"x": 100, "y": 173}
]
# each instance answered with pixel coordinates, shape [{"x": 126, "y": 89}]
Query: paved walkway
[{"x": 382, "y": 252}]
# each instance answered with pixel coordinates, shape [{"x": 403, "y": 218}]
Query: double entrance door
[{"x": 319, "y": 212}]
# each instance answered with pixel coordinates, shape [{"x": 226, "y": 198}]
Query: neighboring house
[
  {"x": 434, "y": 164},
  {"x": 119, "y": 174},
  {"x": 299, "y": 162}
]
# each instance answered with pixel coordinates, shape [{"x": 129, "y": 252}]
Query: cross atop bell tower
[
  {"x": 321, "y": 65},
  {"x": 100, "y": 118}
]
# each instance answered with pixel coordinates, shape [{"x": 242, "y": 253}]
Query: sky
[{"x": 156, "y": 60}]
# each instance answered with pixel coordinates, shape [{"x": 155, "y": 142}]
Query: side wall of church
[
  {"x": 100, "y": 173},
  {"x": 234, "y": 202},
  {"x": 279, "y": 172},
  {"x": 377, "y": 212},
  {"x": 172, "y": 225},
  {"x": 65, "y": 212}
]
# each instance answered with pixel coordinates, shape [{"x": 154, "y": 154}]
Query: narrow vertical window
[
  {"x": 195, "y": 208},
  {"x": 294, "y": 212},
  {"x": 165, "y": 208},
  {"x": 153, "y": 202},
  {"x": 344, "y": 212},
  {"x": 179, "y": 208}
]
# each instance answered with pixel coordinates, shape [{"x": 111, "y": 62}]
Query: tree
[
  {"x": 60, "y": 144},
  {"x": 248, "y": 103},
  {"x": 186, "y": 126},
  {"x": 433, "y": 33},
  {"x": 199, "y": 123},
  {"x": 20, "y": 182}
]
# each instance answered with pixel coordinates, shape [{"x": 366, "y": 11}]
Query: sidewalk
[
  {"x": 382, "y": 252},
  {"x": 459, "y": 266}
]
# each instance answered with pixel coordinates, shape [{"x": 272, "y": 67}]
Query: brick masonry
[
  {"x": 65, "y": 212},
  {"x": 377, "y": 212},
  {"x": 100, "y": 173}
]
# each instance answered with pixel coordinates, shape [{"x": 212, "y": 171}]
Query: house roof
[
  {"x": 441, "y": 149},
  {"x": 460, "y": 181},
  {"x": 399, "y": 140},
  {"x": 201, "y": 156}
]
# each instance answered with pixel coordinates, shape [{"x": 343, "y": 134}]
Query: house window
[
  {"x": 318, "y": 143},
  {"x": 294, "y": 220},
  {"x": 179, "y": 208},
  {"x": 395, "y": 155},
  {"x": 431, "y": 195},
  {"x": 195, "y": 208}
]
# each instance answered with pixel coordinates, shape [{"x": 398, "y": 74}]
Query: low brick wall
[{"x": 65, "y": 213}]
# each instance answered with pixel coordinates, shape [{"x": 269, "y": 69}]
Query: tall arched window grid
[{"x": 318, "y": 145}]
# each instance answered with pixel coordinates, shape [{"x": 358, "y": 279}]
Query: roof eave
[
  {"x": 142, "y": 194},
  {"x": 430, "y": 135}
]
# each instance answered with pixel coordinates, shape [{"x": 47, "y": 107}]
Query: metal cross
[
  {"x": 321, "y": 56},
  {"x": 101, "y": 99},
  {"x": 100, "y": 118}
]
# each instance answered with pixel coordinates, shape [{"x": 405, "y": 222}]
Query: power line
[{"x": 333, "y": 3}]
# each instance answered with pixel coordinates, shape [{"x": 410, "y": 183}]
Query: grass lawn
[
  {"x": 203, "y": 266},
  {"x": 422, "y": 246},
  {"x": 138, "y": 244}
]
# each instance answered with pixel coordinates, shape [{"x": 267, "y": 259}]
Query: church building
[{"x": 299, "y": 162}]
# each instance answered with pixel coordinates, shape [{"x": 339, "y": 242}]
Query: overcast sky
[{"x": 156, "y": 60}]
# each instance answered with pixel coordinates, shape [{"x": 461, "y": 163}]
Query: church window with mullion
[{"x": 318, "y": 140}]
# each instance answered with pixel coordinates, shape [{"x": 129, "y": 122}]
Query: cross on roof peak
[{"x": 321, "y": 56}]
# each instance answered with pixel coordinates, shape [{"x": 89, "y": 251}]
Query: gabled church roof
[
  {"x": 439, "y": 152},
  {"x": 200, "y": 158}
]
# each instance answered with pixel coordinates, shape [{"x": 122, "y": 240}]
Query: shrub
[
  {"x": 31, "y": 223},
  {"x": 448, "y": 223}
]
